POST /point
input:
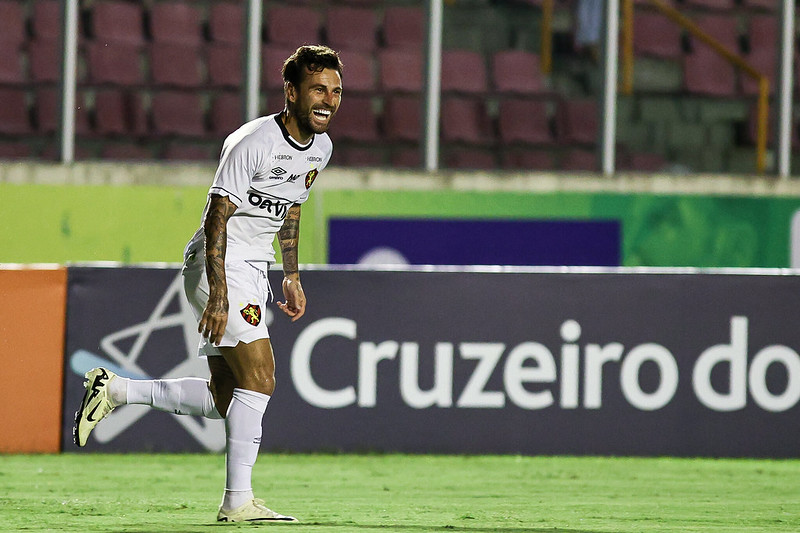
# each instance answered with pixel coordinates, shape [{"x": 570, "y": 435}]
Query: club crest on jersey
[
  {"x": 252, "y": 314},
  {"x": 310, "y": 177}
]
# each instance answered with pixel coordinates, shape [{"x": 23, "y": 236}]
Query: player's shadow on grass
[{"x": 349, "y": 526}]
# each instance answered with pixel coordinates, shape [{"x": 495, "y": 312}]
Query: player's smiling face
[{"x": 315, "y": 102}]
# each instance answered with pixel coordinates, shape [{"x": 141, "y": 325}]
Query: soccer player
[{"x": 266, "y": 170}]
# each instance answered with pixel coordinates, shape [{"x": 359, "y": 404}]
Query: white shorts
[{"x": 248, "y": 296}]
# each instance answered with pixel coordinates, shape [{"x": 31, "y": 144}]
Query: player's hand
[
  {"x": 214, "y": 319},
  {"x": 295, "y": 304}
]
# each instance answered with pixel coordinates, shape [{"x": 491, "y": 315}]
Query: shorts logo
[
  {"x": 310, "y": 177},
  {"x": 252, "y": 314}
]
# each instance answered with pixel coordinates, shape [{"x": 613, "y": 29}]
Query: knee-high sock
[
  {"x": 182, "y": 396},
  {"x": 243, "y": 427}
]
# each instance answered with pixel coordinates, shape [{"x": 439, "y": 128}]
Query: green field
[{"x": 404, "y": 494}]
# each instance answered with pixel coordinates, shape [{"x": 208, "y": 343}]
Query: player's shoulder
[
  {"x": 255, "y": 133},
  {"x": 324, "y": 142}
]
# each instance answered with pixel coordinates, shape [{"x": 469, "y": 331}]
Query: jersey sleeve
[{"x": 238, "y": 164}]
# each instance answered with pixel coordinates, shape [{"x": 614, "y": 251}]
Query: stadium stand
[
  {"x": 224, "y": 65},
  {"x": 46, "y": 20},
  {"x": 176, "y": 22},
  {"x": 762, "y": 51},
  {"x": 517, "y": 71},
  {"x": 14, "y": 114},
  {"x": 360, "y": 71},
  {"x": 360, "y": 123},
  {"x": 12, "y": 25},
  {"x": 117, "y": 22},
  {"x": 527, "y": 159},
  {"x": 119, "y": 64},
  {"x": 351, "y": 28},
  {"x": 11, "y": 71},
  {"x": 706, "y": 72},
  {"x": 178, "y": 113},
  {"x": 524, "y": 121},
  {"x": 402, "y": 118},
  {"x": 655, "y": 35},
  {"x": 403, "y": 27},
  {"x": 578, "y": 121},
  {"x": 464, "y": 71},
  {"x": 226, "y": 23},
  {"x": 226, "y": 113},
  {"x": 291, "y": 25},
  {"x": 464, "y": 119},
  {"x": 175, "y": 65},
  {"x": 401, "y": 70}
]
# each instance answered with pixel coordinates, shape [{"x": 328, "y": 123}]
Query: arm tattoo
[
  {"x": 288, "y": 236},
  {"x": 215, "y": 227}
]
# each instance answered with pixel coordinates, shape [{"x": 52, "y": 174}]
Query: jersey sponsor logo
[
  {"x": 277, "y": 173},
  {"x": 310, "y": 177},
  {"x": 274, "y": 207},
  {"x": 251, "y": 314},
  {"x": 292, "y": 178},
  {"x": 281, "y": 157},
  {"x": 313, "y": 159}
]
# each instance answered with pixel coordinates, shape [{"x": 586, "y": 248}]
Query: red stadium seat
[
  {"x": 14, "y": 114},
  {"x": 722, "y": 5},
  {"x": 351, "y": 28},
  {"x": 226, "y": 113},
  {"x": 224, "y": 63},
  {"x": 226, "y": 22},
  {"x": 705, "y": 72},
  {"x": 463, "y": 71},
  {"x": 360, "y": 156},
  {"x": 11, "y": 72},
  {"x": 189, "y": 152},
  {"x": 528, "y": 159},
  {"x": 763, "y": 55},
  {"x": 15, "y": 150},
  {"x": 524, "y": 121},
  {"x": 472, "y": 158},
  {"x": 404, "y": 27},
  {"x": 118, "y": 22},
  {"x": 406, "y": 157},
  {"x": 176, "y": 22},
  {"x": 45, "y": 62},
  {"x": 655, "y": 35},
  {"x": 358, "y": 123},
  {"x": 292, "y": 25},
  {"x": 12, "y": 24},
  {"x": 272, "y": 58},
  {"x": 465, "y": 119},
  {"x": 47, "y": 112},
  {"x": 402, "y": 118},
  {"x": 110, "y": 113},
  {"x": 46, "y": 20},
  {"x": 360, "y": 72},
  {"x": 175, "y": 65},
  {"x": 722, "y": 27},
  {"x": 117, "y": 64},
  {"x": 401, "y": 70},
  {"x": 517, "y": 71},
  {"x": 126, "y": 152},
  {"x": 579, "y": 160},
  {"x": 578, "y": 121},
  {"x": 178, "y": 113}
]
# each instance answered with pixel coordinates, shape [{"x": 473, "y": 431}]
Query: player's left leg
[{"x": 253, "y": 367}]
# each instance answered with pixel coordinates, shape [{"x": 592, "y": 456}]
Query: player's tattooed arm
[
  {"x": 215, "y": 316},
  {"x": 288, "y": 237}
]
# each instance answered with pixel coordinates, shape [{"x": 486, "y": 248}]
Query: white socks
[
  {"x": 243, "y": 426},
  {"x": 183, "y": 396}
]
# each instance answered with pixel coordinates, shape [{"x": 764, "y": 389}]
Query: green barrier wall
[{"x": 144, "y": 223}]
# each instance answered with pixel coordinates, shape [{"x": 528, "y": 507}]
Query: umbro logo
[{"x": 277, "y": 173}]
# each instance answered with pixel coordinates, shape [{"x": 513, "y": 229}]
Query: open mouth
[{"x": 322, "y": 114}]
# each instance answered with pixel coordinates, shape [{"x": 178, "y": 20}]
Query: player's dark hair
[{"x": 314, "y": 58}]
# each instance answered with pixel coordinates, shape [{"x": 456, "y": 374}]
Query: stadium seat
[
  {"x": 402, "y": 118},
  {"x": 401, "y": 70},
  {"x": 12, "y": 25},
  {"x": 292, "y": 25},
  {"x": 14, "y": 114},
  {"x": 15, "y": 150},
  {"x": 761, "y": 4},
  {"x": 722, "y": 27},
  {"x": 175, "y": 65},
  {"x": 527, "y": 159},
  {"x": 707, "y": 73},
  {"x": 226, "y": 113},
  {"x": 272, "y": 58},
  {"x": 360, "y": 156},
  {"x": 110, "y": 113},
  {"x": 360, "y": 72},
  {"x": 579, "y": 160},
  {"x": 226, "y": 22},
  {"x": 578, "y": 121},
  {"x": 115, "y": 21},
  {"x": 465, "y": 119},
  {"x": 469, "y": 158},
  {"x": 188, "y": 152},
  {"x": 404, "y": 27},
  {"x": 722, "y": 5},
  {"x": 406, "y": 157},
  {"x": 46, "y": 20},
  {"x": 126, "y": 152},
  {"x": 463, "y": 71},
  {"x": 644, "y": 162},
  {"x": 47, "y": 112},
  {"x": 177, "y": 113},
  {"x": 44, "y": 58},
  {"x": 175, "y": 22},
  {"x": 358, "y": 123},
  {"x": 516, "y": 71},
  {"x": 224, "y": 64},
  {"x": 655, "y": 35},
  {"x": 762, "y": 34},
  {"x": 351, "y": 28},
  {"x": 11, "y": 72},
  {"x": 524, "y": 121},
  {"x": 118, "y": 64}
]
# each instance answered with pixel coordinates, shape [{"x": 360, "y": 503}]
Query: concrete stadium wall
[{"x": 135, "y": 213}]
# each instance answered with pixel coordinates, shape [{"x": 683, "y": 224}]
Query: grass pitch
[{"x": 404, "y": 494}]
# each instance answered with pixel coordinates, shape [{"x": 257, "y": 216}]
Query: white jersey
[{"x": 263, "y": 171}]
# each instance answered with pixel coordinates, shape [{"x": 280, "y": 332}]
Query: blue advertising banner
[
  {"x": 573, "y": 361},
  {"x": 474, "y": 242}
]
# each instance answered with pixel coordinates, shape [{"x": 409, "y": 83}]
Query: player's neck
[{"x": 293, "y": 127}]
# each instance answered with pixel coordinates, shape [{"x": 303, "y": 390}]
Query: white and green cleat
[
  {"x": 95, "y": 406},
  {"x": 252, "y": 511}
]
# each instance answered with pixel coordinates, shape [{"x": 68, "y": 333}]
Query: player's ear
[{"x": 291, "y": 92}]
